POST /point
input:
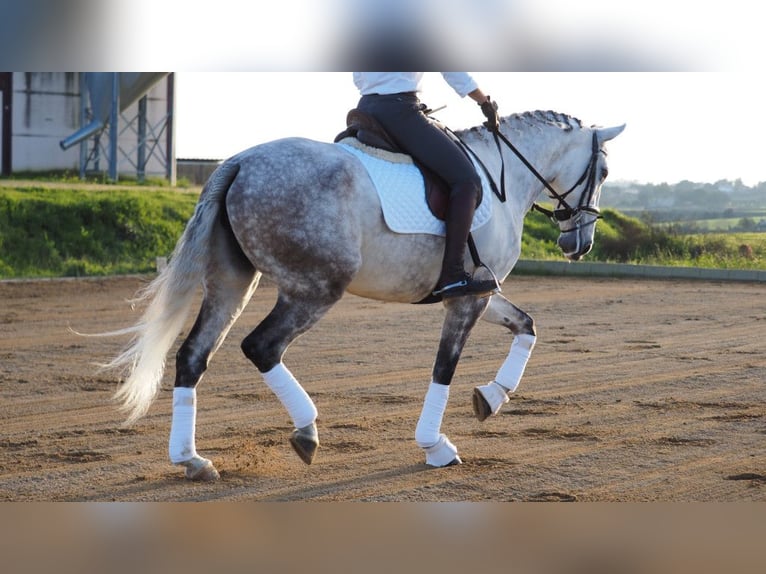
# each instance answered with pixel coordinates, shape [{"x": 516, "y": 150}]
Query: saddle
[{"x": 367, "y": 130}]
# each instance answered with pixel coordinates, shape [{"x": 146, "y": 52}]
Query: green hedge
[
  {"x": 623, "y": 239},
  {"x": 65, "y": 232},
  {"x": 57, "y": 230}
]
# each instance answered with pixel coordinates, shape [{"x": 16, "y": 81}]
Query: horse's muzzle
[{"x": 573, "y": 248}]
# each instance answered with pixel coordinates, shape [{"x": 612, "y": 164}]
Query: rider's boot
[{"x": 454, "y": 280}]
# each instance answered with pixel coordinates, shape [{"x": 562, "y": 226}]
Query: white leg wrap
[
  {"x": 511, "y": 371},
  {"x": 181, "y": 445},
  {"x": 427, "y": 431},
  {"x": 291, "y": 394}
]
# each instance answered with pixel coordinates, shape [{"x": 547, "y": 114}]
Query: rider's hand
[{"x": 489, "y": 109}]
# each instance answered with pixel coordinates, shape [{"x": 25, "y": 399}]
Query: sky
[
  {"x": 696, "y": 126},
  {"x": 684, "y": 76}
]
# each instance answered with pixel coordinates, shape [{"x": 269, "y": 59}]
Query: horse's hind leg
[
  {"x": 489, "y": 398},
  {"x": 229, "y": 286},
  {"x": 292, "y": 315}
]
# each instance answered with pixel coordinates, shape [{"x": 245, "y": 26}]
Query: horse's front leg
[
  {"x": 489, "y": 398},
  {"x": 462, "y": 314}
]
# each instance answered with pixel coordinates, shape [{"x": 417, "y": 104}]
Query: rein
[{"x": 564, "y": 212}]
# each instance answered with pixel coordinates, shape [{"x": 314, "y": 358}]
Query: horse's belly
[{"x": 396, "y": 267}]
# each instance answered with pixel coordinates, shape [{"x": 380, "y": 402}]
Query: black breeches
[{"x": 402, "y": 116}]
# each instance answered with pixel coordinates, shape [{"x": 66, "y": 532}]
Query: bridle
[{"x": 564, "y": 211}]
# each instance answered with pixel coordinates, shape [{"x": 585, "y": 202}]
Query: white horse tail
[{"x": 170, "y": 296}]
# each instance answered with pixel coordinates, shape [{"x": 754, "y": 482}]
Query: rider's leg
[
  {"x": 454, "y": 281},
  {"x": 402, "y": 116}
]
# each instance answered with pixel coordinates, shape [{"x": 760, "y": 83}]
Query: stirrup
[{"x": 469, "y": 286}]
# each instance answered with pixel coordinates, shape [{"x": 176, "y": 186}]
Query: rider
[{"x": 392, "y": 99}]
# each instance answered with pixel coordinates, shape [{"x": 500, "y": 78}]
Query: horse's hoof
[
  {"x": 442, "y": 454},
  {"x": 488, "y": 399},
  {"x": 305, "y": 442},
  {"x": 200, "y": 469},
  {"x": 480, "y": 406}
]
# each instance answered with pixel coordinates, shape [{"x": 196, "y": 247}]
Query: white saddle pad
[{"x": 402, "y": 192}]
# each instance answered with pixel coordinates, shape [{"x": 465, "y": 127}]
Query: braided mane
[
  {"x": 549, "y": 117},
  {"x": 535, "y": 119}
]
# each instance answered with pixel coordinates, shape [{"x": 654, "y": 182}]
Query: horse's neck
[{"x": 537, "y": 146}]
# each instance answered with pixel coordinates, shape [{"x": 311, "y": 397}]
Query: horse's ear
[{"x": 606, "y": 134}]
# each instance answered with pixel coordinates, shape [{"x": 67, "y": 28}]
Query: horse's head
[{"x": 577, "y": 208}]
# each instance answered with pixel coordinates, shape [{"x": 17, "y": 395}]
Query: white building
[{"x": 41, "y": 112}]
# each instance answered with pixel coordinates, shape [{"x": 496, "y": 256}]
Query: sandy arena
[{"x": 638, "y": 390}]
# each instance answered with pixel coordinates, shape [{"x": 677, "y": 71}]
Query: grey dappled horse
[{"x": 307, "y": 215}]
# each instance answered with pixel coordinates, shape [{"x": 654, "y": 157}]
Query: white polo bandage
[
  {"x": 512, "y": 369},
  {"x": 181, "y": 446},
  {"x": 428, "y": 429},
  {"x": 291, "y": 394}
]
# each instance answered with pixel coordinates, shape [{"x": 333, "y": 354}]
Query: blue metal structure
[{"x": 109, "y": 94}]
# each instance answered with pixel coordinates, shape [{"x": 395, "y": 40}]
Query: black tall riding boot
[{"x": 454, "y": 281}]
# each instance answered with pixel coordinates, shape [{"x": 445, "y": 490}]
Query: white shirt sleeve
[
  {"x": 461, "y": 82},
  {"x": 397, "y": 82},
  {"x": 387, "y": 82}
]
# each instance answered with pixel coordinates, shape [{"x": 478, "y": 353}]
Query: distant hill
[{"x": 686, "y": 200}]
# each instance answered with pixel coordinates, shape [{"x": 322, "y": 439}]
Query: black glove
[{"x": 489, "y": 109}]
